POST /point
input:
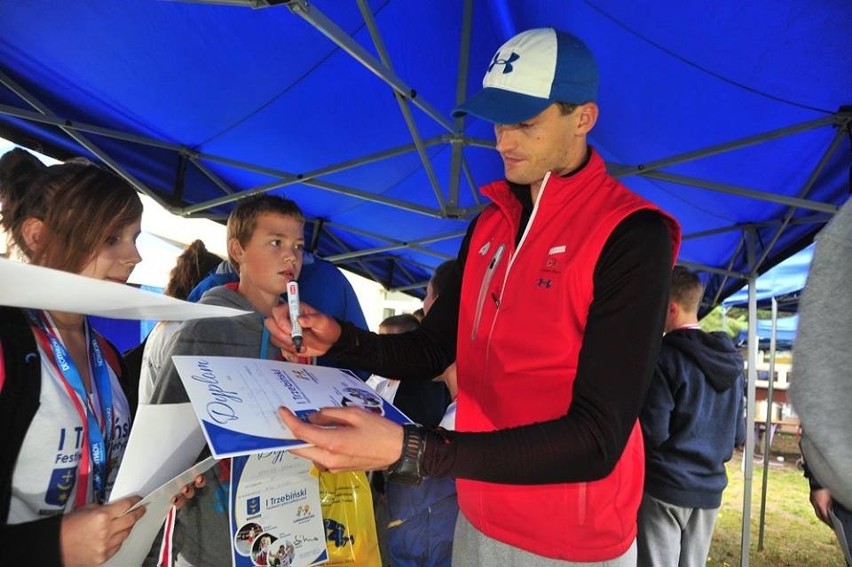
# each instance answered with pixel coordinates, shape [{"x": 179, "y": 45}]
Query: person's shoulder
[
  {"x": 324, "y": 269},
  {"x": 212, "y": 280},
  {"x": 643, "y": 234},
  {"x": 187, "y": 336},
  {"x": 644, "y": 231},
  {"x": 645, "y": 220},
  {"x": 668, "y": 350},
  {"x": 18, "y": 347},
  {"x": 226, "y": 295},
  {"x": 839, "y": 227},
  {"x": 13, "y": 321}
]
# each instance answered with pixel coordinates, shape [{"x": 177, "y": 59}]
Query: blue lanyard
[
  {"x": 264, "y": 342},
  {"x": 98, "y": 436}
]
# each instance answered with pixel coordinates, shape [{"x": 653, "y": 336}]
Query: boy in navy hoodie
[{"x": 691, "y": 421}]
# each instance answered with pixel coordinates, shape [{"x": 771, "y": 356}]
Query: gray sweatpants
[
  {"x": 671, "y": 535},
  {"x": 472, "y": 548}
]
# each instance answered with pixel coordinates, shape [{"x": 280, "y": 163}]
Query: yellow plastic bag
[{"x": 350, "y": 525}]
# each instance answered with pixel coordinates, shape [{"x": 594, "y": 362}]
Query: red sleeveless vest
[{"x": 521, "y": 325}]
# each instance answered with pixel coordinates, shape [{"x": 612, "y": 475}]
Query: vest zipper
[
  {"x": 489, "y": 273},
  {"x": 483, "y": 290}
]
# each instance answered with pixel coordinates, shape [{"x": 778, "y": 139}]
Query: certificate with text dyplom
[{"x": 237, "y": 399}]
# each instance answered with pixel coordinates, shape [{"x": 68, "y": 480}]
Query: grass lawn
[{"x": 792, "y": 534}]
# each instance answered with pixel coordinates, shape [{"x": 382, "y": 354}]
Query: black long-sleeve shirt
[{"x": 620, "y": 346}]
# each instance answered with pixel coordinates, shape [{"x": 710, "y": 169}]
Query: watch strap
[{"x": 408, "y": 469}]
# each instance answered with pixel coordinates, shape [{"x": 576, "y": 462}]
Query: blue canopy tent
[
  {"x": 784, "y": 282},
  {"x": 734, "y": 117},
  {"x": 785, "y": 332}
]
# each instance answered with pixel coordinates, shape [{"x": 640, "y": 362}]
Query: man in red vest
[{"x": 555, "y": 328}]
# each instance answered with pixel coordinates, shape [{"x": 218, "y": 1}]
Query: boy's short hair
[
  {"x": 687, "y": 289},
  {"x": 401, "y": 323},
  {"x": 441, "y": 276},
  {"x": 243, "y": 220}
]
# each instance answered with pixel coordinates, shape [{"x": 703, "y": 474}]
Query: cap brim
[{"x": 502, "y": 107}]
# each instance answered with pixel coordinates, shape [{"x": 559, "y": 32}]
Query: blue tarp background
[
  {"x": 733, "y": 116},
  {"x": 785, "y": 332},
  {"x": 784, "y": 282}
]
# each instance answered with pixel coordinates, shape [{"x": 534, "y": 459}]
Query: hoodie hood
[
  {"x": 714, "y": 353},
  {"x": 226, "y": 296}
]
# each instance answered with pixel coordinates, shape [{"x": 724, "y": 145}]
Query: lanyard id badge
[{"x": 97, "y": 434}]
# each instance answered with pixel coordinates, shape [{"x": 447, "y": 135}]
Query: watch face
[{"x": 364, "y": 398}]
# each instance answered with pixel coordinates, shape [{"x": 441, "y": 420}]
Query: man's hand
[
  {"x": 821, "y": 501},
  {"x": 93, "y": 534},
  {"x": 358, "y": 441},
  {"x": 319, "y": 331}
]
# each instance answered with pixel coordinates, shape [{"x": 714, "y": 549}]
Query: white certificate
[
  {"x": 135, "y": 548},
  {"x": 164, "y": 441},
  {"x": 159, "y": 460},
  {"x": 35, "y": 287},
  {"x": 276, "y": 513},
  {"x": 237, "y": 399}
]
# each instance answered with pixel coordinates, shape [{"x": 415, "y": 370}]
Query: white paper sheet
[
  {"x": 237, "y": 399},
  {"x": 164, "y": 442},
  {"x": 25, "y": 285},
  {"x": 135, "y": 548}
]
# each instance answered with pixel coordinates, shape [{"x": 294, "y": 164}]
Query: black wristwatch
[{"x": 408, "y": 469}]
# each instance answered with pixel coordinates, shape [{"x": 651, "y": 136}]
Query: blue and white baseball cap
[{"x": 530, "y": 72}]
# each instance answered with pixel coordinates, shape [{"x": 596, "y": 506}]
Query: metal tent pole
[
  {"x": 748, "y": 454},
  {"x": 767, "y": 436}
]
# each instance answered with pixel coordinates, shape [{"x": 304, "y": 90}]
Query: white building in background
[
  {"x": 164, "y": 236},
  {"x": 782, "y": 411},
  {"x": 379, "y": 303}
]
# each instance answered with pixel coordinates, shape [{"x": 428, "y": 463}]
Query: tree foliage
[{"x": 721, "y": 320}]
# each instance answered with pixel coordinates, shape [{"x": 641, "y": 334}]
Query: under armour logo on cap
[
  {"x": 530, "y": 72},
  {"x": 506, "y": 63}
]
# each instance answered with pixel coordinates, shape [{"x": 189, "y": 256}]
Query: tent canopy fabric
[
  {"x": 783, "y": 282},
  {"x": 785, "y": 332},
  {"x": 733, "y": 117}
]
